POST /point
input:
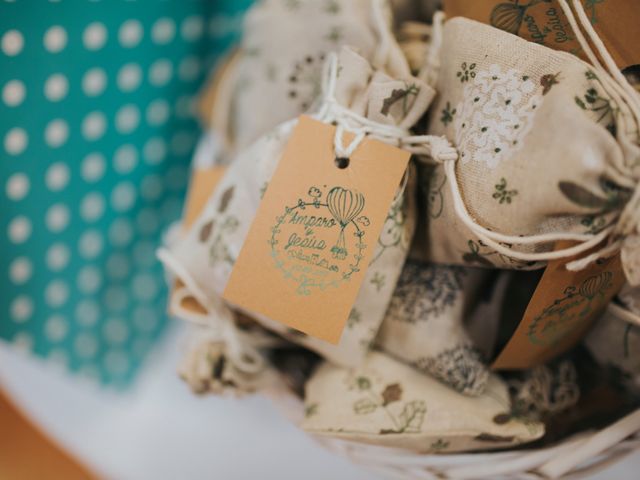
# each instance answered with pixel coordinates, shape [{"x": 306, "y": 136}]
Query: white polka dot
[
  {"x": 116, "y": 299},
  {"x": 125, "y": 159},
  {"x": 94, "y": 125},
  {"x": 13, "y": 93},
  {"x": 145, "y": 318},
  {"x": 127, "y": 119},
  {"x": 151, "y": 187},
  {"x": 20, "y": 270},
  {"x": 163, "y": 31},
  {"x": 92, "y": 206},
  {"x": 55, "y": 39},
  {"x": 123, "y": 196},
  {"x": 57, "y": 257},
  {"x": 57, "y": 176},
  {"x": 144, "y": 286},
  {"x": 12, "y": 43},
  {"x": 90, "y": 244},
  {"x": 23, "y": 342},
  {"x": 87, "y": 313},
  {"x": 176, "y": 177},
  {"x": 120, "y": 232},
  {"x": 15, "y": 141},
  {"x": 115, "y": 331},
  {"x": 56, "y": 87},
  {"x": 155, "y": 150},
  {"x": 93, "y": 167},
  {"x": 94, "y": 36},
  {"x": 182, "y": 142},
  {"x": 130, "y": 33},
  {"x": 89, "y": 279},
  {"x": 189, "y": 68},
  {"x": 56, "y": 133},
  {"x": 118, "y": 266},
  {"x": 147, "y": 221},
  {"x": 57, "y": 217},
  {"x": 94, "y": 82},
  {"x": 85, "y": 345},
  {"x": 21, "y": 309},
  {"x": 160, "y": 72},
  {"x": 56, "y": 293},
  {"x": 185, "y": 106},
  {"x": 158, "y": 112},
  {"x": 19, "y": 229},
  {"x": 17, "y": 186},
  {"x": 144, "y": 253},
  {"x": 129, "y": 77},
  {"x": 192, "y": 28},
  {"x": 56, "y": 328}
]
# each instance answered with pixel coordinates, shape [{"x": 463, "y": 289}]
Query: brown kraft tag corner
[
  {"x": 544, "y": 22},
  {"x": 563, "y": 307},
  {"x": 315, "y": 231}
]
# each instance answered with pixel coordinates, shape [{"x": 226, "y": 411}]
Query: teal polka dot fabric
[{"x": 96, "y": 133}]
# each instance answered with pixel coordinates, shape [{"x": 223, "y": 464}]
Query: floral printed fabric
[
  {"x": 424, "y": 324},
  {"x": 385, "y": 402},
  {"x": 278, "y": 72},
  {"x": 209, "y": 250},
  {"x": 511, "y": 107}
]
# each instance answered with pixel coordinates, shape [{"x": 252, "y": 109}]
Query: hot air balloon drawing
[
  {"x": 345, "y": 205},
  {"x": 509, "y": 16}
]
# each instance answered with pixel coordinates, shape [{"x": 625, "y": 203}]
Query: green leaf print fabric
[{"x": 96, "y": 133}]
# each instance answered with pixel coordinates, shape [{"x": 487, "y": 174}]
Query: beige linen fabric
[{"x": 385, "y": 402}]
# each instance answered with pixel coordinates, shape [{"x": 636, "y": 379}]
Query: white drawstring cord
[
  {"x": 218, "y": 319},
  {"x": 626, "y": 222}
]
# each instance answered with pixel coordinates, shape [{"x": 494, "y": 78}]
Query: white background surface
[{"x": 160, "y": 431}]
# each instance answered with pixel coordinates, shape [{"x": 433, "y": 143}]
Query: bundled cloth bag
[
  {"x": 547, "y": 150},
  {"x": 204, "y": 258},
  {"x": 276, "y": 73},
  {"x": 385, "y": 402},
  {"x": 424, "y": 324}
]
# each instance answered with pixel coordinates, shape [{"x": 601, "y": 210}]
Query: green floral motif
[
  {"x": 378, "y": 280},
  {"x": 310, "y": 410},
  {"x": 610, "y": 198},
  {"x": 439, "y": 445},
  {"x": 218, "y": 251},
  {"x": 400, "y": 94},
  {"x": 447, "y": 114},
  {"x": 393, "y": 232},
  {"x": 332, "y": 7},
  {"x": 466, "y": 72},
  {"x": 408, "y": 420},
  {"x": 334, "y": 35},
  {"x": 354, "y": 318},
  {"x": 601, "y": 107},
  {"x": 502, "y": 194}
]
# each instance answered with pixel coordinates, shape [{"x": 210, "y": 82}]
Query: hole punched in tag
[{"x": 342, "y": 162}]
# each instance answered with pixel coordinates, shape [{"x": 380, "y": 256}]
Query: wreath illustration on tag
[
  {"x": 557, "y": 320},
  {"x": 318, "y": 242}
]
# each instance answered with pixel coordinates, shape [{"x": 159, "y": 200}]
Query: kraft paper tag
[
  {"x": 310, "y": 244},
  {"x": 201, "y": 186},
  {"x": 563, "y": 307},
  {"x": 544, "y": 22}
]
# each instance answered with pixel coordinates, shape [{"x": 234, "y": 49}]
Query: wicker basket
[{"x": 575, "y": 457}]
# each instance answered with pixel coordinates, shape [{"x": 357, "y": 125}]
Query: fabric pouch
[
  {"x": 385, "y": 402},
  {"x": 424, "y": 324},
  {"x": 204, "y": 258},
  {"x": 547, "y": 151}
]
